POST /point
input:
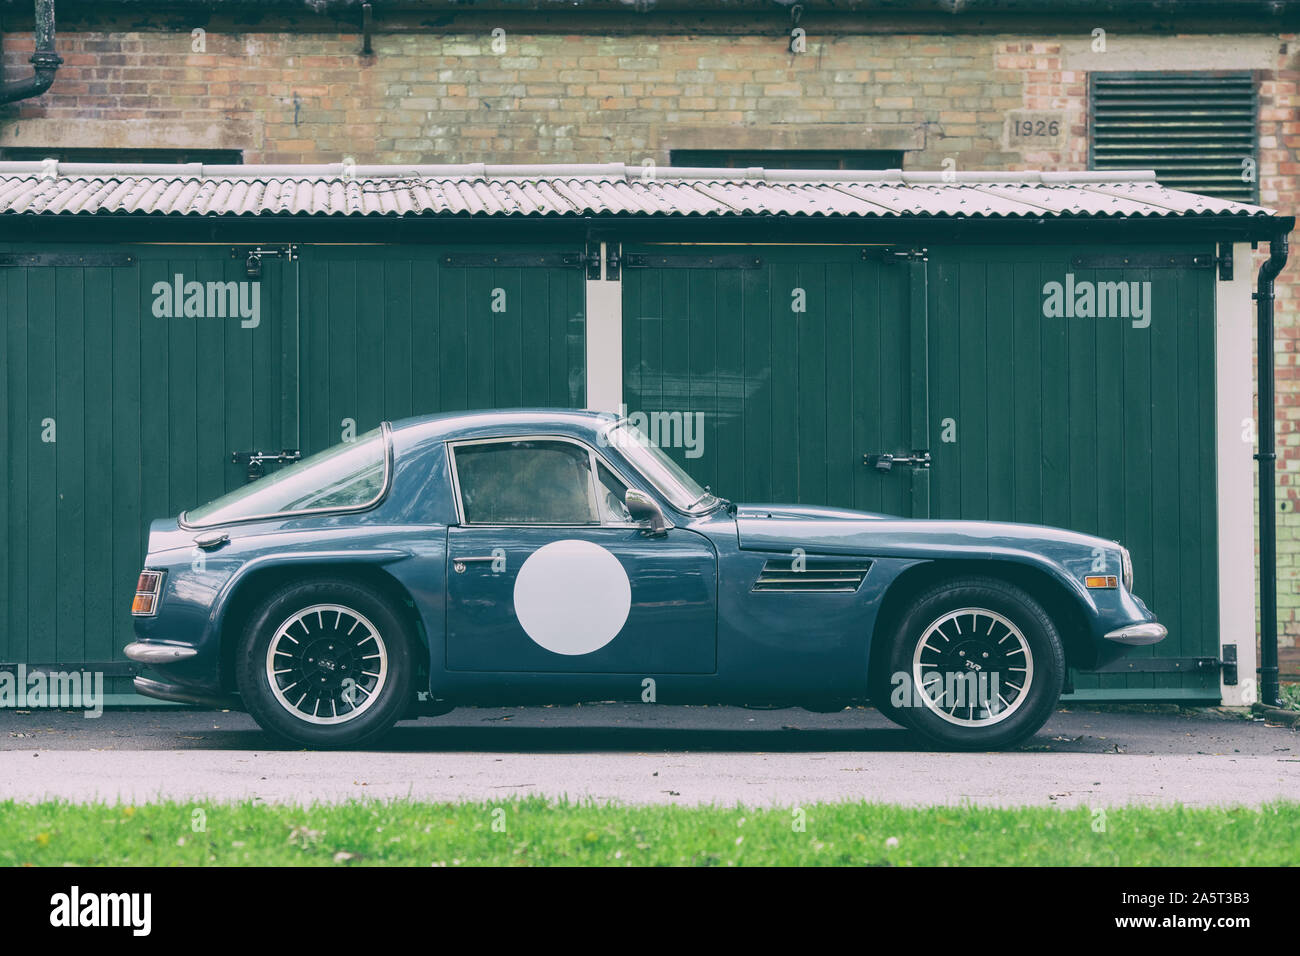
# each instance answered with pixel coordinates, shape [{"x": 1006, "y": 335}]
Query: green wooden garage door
[
  {"x": 769, "y": 372},
  {"x": 144, "y": 410},
  {"x": 1085, "y": 422},
  {"x": 394, "y": 331},
  {"x": 1102, "y": 424},
  {"x": 113, "y": 415}
]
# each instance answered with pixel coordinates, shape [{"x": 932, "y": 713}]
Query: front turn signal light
[{"x": 1101, "y": 581}]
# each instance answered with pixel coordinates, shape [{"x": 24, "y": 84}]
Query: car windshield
[
  {"x": 347, "y": 476},
  {"x": 682, "y": 491}
]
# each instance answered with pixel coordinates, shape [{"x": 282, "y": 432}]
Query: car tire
[
  {"x": 325, "y": 664},
  {"x": 880, "y": 695},
  {"x": 984, "y": 664}
]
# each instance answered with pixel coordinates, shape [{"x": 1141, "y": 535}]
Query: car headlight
[{"x": 1126, "y": 563}]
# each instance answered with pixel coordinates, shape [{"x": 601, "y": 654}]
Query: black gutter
[
  {"x": 1268, "y": 671},
  {"x": 45, "y": 62}
]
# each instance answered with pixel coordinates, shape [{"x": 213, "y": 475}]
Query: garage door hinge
[
  {"x": 1148, "y": 260},
  {"x": 591, "y": 261},
  {"x": 515, "y": 260},
  {"x": 1225, "y": 261},
  {"x": 84, "y": 259},
  {"x": 894, "y": 254},
  {"x": 741, "y": 260},
  {"x": 1175, "y": 665}
]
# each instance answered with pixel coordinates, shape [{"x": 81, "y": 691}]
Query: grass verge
[{"x": 535, "y": 831}]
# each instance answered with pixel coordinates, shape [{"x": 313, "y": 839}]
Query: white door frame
[
  {"x": 605, "y": 338},
  {"x": 1235, "y": 444}
]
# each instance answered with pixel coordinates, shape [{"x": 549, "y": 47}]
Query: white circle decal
[{"x": 572, "y": 597}]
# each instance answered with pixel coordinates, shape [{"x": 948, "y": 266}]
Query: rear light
[{"x": 147, "y": 589}]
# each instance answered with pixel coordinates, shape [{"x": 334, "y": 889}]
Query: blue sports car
[{"x": 559, "y": 556}]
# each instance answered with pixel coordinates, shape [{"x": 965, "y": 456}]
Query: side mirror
[{"x": 644, "y": 509}]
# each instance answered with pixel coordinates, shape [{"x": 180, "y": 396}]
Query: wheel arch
[
  {"x": 1062, "y": 606},
  {"x": 251, "y": 588}
]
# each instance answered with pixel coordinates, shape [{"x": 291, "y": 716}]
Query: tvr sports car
[{"x": 508, "y": 557}]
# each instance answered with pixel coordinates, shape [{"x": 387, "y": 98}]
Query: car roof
[{"x": 469, "y": 424}]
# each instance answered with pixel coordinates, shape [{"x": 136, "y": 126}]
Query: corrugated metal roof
[{"x": 582, "y": 190}]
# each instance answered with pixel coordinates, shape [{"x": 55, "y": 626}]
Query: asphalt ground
[{"x": 648, "y": 753}]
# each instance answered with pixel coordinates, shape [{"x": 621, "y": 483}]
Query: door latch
[
  {"x": 256, "y": 460},
  {"x": 1229, "y": 665},
  {"x": 886, "y": 462},
  {"x": 253, "y": 256}
]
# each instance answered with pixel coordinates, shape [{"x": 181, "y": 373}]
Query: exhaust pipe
[{"x": 45, "y": 62}]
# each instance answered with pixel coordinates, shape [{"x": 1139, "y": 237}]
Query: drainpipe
[
  {"x": 1268, "y": 672},
  {"x": 45, "y": 62}
]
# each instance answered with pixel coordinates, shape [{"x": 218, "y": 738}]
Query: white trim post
[
  {"x": 1235, "y": 444},
  {"x": 604, "y": 339}
]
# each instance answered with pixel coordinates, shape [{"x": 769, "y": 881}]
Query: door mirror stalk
[{"x": 644, "y": 509}]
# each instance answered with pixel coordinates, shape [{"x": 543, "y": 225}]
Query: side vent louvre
[{"x": 813, "y": 574}]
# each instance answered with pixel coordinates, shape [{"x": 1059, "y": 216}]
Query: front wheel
[
  {"x": 325, "y": 664},
  {"x": 981, "y": 662}
]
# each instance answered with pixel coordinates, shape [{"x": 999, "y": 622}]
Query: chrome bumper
[
  {"x": 147, "y": 652},
  {"x": 1137, "y": 635}
]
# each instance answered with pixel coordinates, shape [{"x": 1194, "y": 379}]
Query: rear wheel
[
  {"x": 325, "y": 664},
  {"x": 882, "y": 693},
  {"x": 982, "y": 661}
]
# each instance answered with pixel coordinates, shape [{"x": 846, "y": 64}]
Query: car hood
[{"x": 762, "y": 527}]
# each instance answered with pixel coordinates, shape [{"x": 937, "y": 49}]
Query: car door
[{"x": 547, "y": 572}]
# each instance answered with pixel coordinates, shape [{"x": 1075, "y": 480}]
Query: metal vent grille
[
  {"x": 815, "y": 574},
  {"x": 1197, "y": 131}
]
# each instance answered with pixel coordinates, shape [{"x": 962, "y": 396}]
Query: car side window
[{"x": 526, "y": 482}]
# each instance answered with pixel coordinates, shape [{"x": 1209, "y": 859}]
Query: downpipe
[
  {"x": 1269, "y": 691},
  {"x": 45, "y": 62}
]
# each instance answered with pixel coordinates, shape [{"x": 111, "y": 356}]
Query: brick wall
[
  {"x": 311, "y": 98},
  {"x": 308, "y": 98}
]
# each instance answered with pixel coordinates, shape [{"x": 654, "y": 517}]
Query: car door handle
[{"x": 458, "y": 564}]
